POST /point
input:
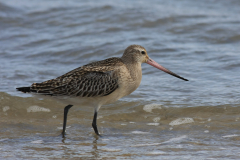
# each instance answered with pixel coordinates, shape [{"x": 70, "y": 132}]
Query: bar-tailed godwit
[{"x": 98, "y": 83}]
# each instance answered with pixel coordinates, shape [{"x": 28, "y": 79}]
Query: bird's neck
[{"x": 135, "y": 70}]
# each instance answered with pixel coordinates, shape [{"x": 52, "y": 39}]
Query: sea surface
[{"x": 165, "y": 118}]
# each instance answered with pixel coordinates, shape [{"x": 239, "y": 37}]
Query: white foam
[
  {"x": 150, "y": 107},
  {"x": 139, "y": 132},
  {"x": 156, "y": 153},
  {"x": 6, "y": 108},
  {"x": 233, "y": 135},
  {"x": 62, "y": 127},
  {"x": 180, "y": 121},
  {"x": 177, "y": 139},
  {"x": 156, "y": 119},
  {"x": 99, "y": 117},
  {"x": 37, "y": 109},
  {"x": 153, "y": 124},
  {"x": 206, "y": 131},
  {"x": 37, "y": 141}
]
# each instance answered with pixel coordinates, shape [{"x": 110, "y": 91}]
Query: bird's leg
[
  {"x": 65, "y": 119},
  {"x": 94, "y": 123}
]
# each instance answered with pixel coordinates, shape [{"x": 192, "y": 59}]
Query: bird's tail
[
  {"x": 40, "y": 88},
  {"x": 24, "y": 89},
  {"x": 45, "y": 88}
]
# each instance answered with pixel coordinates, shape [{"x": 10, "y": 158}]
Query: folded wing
[{"x": 89, "y": 84}]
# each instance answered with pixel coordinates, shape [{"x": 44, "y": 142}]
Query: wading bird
[{"x": 98, "y": 83}]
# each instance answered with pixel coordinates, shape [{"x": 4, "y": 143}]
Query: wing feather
[
  {"x": 91, "y": 84},
  {"x": 91, "y": 80}
]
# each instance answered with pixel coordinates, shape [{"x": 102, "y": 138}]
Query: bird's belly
[
  {"x": 91, "y": 101},
  {"x": 122, "y": 91},
  {"x": 73, "y": 100}
]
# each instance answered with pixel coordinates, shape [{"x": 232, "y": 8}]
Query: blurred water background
[{"x": 165, "y": 118}]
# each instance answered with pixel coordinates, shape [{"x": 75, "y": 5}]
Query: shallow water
[{"x": 165, "y": 118}]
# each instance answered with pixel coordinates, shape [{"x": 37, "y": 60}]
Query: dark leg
[
  {"x": 65, "y": 119},
  {"x": 94, "y": 123}
]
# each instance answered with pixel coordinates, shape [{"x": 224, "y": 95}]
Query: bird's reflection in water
[{"x": 95, "y": 151}]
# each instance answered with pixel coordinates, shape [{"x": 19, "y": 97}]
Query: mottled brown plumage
[{"x": 91, "y": 80}]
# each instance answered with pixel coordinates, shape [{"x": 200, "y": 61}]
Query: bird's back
[{"x": 91, "y": 80}]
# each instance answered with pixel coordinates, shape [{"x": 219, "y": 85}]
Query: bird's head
[
  {"x": 138, "y": 54},
  {"x": 135, "y": 54}
]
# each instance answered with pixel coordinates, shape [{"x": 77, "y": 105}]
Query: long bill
[{"x": 158, "y": 66}]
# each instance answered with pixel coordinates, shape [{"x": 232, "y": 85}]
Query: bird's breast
[
  {"x": 129, "y": 80},
  {"x": 127, "y": 83}
]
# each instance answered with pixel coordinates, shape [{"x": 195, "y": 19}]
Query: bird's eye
[{"x": 143, "y": 52}]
